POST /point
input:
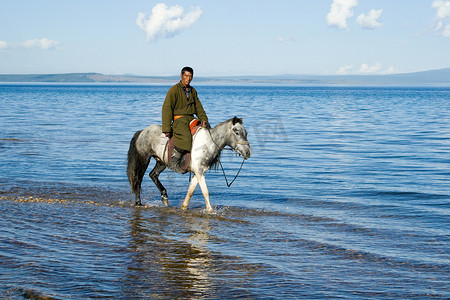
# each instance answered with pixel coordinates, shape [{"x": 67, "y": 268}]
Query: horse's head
[{"x": 239, "y": 138}]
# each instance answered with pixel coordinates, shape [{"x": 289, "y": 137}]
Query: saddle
[{"x": 194, "y": 125}]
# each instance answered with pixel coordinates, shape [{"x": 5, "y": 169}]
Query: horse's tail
[{"x": 136, "y": 166}]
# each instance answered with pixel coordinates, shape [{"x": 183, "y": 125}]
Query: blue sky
[{"x": 218, "y": 38}]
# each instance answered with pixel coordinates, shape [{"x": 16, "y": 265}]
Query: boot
[{"x": 175, "y": 160}]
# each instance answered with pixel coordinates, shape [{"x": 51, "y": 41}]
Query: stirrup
[{"x": 175, "y": 161}]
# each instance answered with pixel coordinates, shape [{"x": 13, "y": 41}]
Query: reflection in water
[
  {"x": 170, "y": 262},
  {"x": 199, "y": 265}
]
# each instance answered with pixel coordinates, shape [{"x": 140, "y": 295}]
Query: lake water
[{"x": 346, "y": 196}]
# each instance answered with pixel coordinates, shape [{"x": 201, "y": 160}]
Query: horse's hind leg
[
  {"x": 138, "y": 198},
  {"x": 154, "y": 174}
]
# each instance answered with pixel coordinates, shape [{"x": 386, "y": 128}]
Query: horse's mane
[
  {"x": 234, "y": 120},
  {"x": 216, "y": 162}
]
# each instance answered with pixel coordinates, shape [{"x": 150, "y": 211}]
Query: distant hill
[
  {"x": 82, "y": 77},
  {"x": 432, "y": 77}
]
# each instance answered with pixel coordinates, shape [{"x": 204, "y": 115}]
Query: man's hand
[
  {"x": 167, "y": 134},
  {"x": 205, "y": 124}
]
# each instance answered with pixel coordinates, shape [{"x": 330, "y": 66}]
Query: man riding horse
[{"x": 178, "y": 111}]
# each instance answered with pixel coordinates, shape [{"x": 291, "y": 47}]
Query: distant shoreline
[{"x": 433, "y": 77}]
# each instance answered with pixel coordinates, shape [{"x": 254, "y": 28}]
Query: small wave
[{"x": 17, "y": 292}]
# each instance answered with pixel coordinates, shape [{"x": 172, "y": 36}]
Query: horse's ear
[{"x": 237, "y": 120}]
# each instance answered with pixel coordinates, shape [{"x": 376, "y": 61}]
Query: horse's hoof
[
  {"x": 211, "y": 211},
  {"x": 183, "y": 207},
  {"x": 165, "y": 200}
]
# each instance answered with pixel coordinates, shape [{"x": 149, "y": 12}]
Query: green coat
[{"x": 176, "y": 103}]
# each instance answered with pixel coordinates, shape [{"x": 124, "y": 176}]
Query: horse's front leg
[
  {"x": 190, "y": 192},
  {"x": 205, "y": 192}
]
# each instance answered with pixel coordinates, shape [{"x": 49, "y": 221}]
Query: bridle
[
  {"x": 236, "y": 142},
  {"x": 233, "y": 138}
]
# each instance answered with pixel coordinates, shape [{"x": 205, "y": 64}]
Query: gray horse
[{"x": 207, "y": 145}]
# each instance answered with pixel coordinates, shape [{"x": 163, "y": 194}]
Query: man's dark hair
[{"x": 189, "y": 69}]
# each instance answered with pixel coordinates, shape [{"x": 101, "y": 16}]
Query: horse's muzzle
[{"x": 244, "y": 150}]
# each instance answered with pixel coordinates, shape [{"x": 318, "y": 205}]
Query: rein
[
  {"x": 220, "y": 163},
  {"x": 229, "y": 184}
]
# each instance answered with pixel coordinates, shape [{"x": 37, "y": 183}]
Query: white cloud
[
  {"x": 442, "y": 8},
  {"x": 340, "y": 11},
  {"x": 376, "y": 69},
  {"x": 442, "y": 18},
  {"x": 345, "y": 69},
  {"x": 286, "y": 39},
  {"x": 370, "y": 21},
  {"x": 167, "y": 21},
  {"x": 44, "y": 44},
  {"x": 366, "y": 69},
  {"x": 390, "y": 70},
  {"x": 446, "y": 31},
  {"x": 4, "y": 45}
]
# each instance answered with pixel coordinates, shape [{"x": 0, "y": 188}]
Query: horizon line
[{"x": 208, "y": 76}]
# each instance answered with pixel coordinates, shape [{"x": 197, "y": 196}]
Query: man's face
[{"x": 186, "y": 78}]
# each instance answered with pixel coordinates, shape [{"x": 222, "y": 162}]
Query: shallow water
[{"x": 346, "y": 196}]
